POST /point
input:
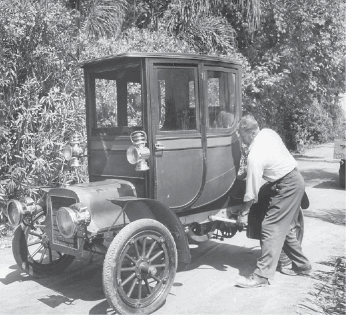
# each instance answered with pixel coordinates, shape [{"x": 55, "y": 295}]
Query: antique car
[
  {"x": 163, "y": 157},
  {"x": 339, "y": 153}
]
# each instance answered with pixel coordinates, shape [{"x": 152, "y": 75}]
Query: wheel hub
[
  {"x": 144, "y": 269},
  {"x": 45, "y": 240}
]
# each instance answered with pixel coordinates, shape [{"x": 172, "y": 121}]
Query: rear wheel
[
  {"x": 139, "y": 267},
  {"x": 32, "y": 252}
]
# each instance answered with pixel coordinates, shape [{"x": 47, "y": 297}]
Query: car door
[
  {"x": 222, "y": 94},
  {"x": 177, "y": 138}
]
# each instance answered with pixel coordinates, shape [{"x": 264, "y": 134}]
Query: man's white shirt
[{"x": 268, "y": 159}]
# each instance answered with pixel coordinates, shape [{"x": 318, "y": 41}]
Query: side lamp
[
  {"x": 73, "y": 151},
  {"x": 138, "y": 153}
]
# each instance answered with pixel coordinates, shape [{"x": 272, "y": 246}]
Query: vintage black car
[{"x": 163, "y": 157}]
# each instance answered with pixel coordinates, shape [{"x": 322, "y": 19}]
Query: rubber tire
[
  {"x": 112, "y": 261},
  {"x": 32, "y": 267}
]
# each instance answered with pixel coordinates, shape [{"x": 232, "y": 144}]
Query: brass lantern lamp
[{"x": 138, "y": 153}]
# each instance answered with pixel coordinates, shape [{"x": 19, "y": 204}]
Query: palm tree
[
  {"x": 186, "y": 12},
  {"x": 202, "y": 23},
  {"x": 99, "y": 18}
]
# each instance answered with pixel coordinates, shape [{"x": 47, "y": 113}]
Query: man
[{"x": 269, "y": 159}]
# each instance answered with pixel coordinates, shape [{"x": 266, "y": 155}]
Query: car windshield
[{"x": 118, "y": 104}]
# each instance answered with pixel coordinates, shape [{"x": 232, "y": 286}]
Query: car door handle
[{"x": 159, "y": 146}]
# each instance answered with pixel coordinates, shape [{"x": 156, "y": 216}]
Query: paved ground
[
  {"x": 319, "y": 153},
  {"x": 207, "y": 285}
]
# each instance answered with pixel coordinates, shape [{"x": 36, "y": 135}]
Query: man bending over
[{"x": 269, "y": 159}]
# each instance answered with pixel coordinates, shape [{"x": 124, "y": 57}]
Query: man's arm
[
  {"x": 245, "y": 207},
  {"x": 244, "y": 210},
  {"x": 253, "y": 178}
]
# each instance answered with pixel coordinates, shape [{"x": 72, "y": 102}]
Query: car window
[
  {"x": 221, "y": 99},
  {"x": 176, "y": 98},
  {"x": 118, "y": 101}
]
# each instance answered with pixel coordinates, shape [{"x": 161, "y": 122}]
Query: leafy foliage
[
  {"x": 298, "y": 66},
  {"x": 40, "y": 94},
  {"x": 293, "y": 68},
  {"x": 202, "y": 23},
  {"x": 103, "y": 17},
  {"x": 308, "y": 127}
]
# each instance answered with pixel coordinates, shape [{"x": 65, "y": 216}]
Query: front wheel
[
  {"x": 33, "y": 253},
  {"x": 139, "y": 267}
]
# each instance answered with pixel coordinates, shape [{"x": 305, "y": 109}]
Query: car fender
[{"x": 141, "y": 208}]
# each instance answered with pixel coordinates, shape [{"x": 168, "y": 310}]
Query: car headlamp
[
  {"x": 138, "y": 153},
  {"x": 73, "y": 151},
  {"x": 68, "y": 219},
  {"x": 17, "y": 210}
]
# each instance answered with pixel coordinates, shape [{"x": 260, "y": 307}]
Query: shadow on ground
[
  {"x": 80, "y": 281},
  {"x": 319, "y": 178},
  {"x": 327, "y": 296},
  {"x": 335, "y": 216},
  {"x": 227, "y": 255},
  {"x": 83, "y": 281},
  {"x": 209, "y": 255}
]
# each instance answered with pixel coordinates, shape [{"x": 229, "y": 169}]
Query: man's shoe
[
  {"x": 253, "y": 281},
  {"x": 295, "y": 271},
  {"x": 283, "y": 266}
]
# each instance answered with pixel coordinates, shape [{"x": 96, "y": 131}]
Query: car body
[{"x": 163, "y": 157}]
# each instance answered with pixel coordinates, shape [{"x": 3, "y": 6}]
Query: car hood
[{"x": 98, "y": 197}]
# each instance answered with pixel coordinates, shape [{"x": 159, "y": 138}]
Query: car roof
[{"x": 155, "y": 55}]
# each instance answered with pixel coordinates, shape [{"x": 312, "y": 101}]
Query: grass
[{"x": 328, "y": 295}]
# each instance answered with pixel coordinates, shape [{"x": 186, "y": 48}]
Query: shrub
[
  {"x": 308, "y": 127},
  {"x": 41, "y": 100}
]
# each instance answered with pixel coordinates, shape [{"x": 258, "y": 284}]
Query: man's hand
[
  {"x": 244, "y": 213},
  {"x": 242, "y": 220}
]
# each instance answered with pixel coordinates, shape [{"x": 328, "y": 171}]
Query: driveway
[{"x": 207, "y": 285}]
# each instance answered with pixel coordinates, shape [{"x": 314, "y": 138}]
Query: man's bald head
[
  {"x": 248, "y": 129},
  {"x": 248, "y": 123}
]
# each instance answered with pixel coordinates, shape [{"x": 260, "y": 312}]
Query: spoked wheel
[
  {"x": 32, "y": 252},
  {"x": 140, "y": 267}
]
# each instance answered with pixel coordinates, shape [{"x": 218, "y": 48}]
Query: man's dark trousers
[{"x": 277, "y": 226}]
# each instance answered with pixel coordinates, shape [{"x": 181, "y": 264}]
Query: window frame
[
  {"x": 120, "y": 130},
  {"x": 176, "y": 65},
  {"x": 237, "y": 99}
]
